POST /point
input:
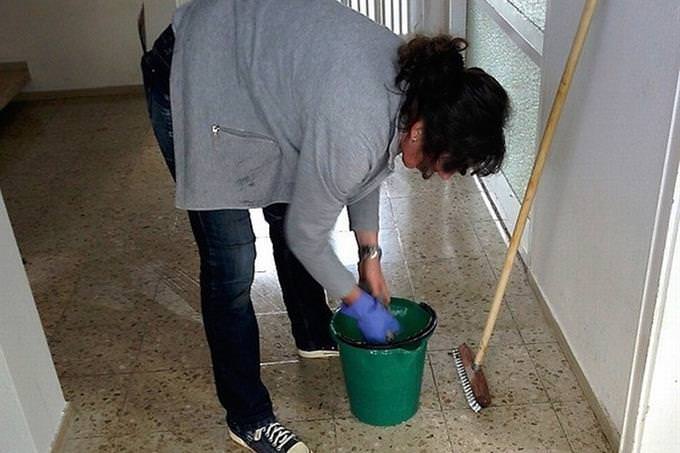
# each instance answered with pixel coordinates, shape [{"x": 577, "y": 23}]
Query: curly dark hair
[{"x": 464, "y": 110}]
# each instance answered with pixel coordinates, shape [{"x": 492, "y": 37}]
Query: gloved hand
[{"x": 375, "y": 321}]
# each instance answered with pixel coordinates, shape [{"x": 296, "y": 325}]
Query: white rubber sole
[
  {"x": 241, "y": 443},
  {"x": 318, "y": 354}
]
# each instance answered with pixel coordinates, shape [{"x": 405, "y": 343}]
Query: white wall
[
  {"x": 31, "y": 400},
  {"x": 76, "y": 44},
  {"x": 429, "y": 16},
  {"x": 595, "y": 208}
]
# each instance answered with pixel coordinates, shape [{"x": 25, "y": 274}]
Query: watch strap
[{"x": 370, "y": 252}]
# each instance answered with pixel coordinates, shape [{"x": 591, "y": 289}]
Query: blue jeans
[{"x": 226, "y": 245}]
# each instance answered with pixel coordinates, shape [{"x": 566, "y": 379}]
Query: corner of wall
[{"x": 601, "y": 413}]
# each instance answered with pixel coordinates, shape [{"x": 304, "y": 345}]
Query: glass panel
[{"x": 491, "y": 49}]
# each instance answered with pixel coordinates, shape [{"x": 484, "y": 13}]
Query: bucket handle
[{"x": 424, "y": 333}]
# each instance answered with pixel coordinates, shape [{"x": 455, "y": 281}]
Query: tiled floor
[{"x": 113, "y": 270}]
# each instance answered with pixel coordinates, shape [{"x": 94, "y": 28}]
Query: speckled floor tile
[
  {"x": 424, "y": 433},
  {"x": 182, "y": 400},
  {"x": 397, "y": 277},
  {"x": 266, "y": 293},
  {"x": 260, "y": 226},
  {"x": 46, "y": 270},
  {"x": 473, "y": 206},
  {"x": 582, "y": 428},
  {"x": 52, "y": 299},
  {"x": 518, "y": 285},
  {"x": 111, "y": 291},
  {"x": 496, "y": 261},
  {"x": 509, "y": 372},
  {"x": 176, "y": 299},
  {"x": 387, "y": 221},
  {"x": 173, "y": 345},
  {"x": 460, "y": 294},
  {"x": 406, "y": 182},
  {"x": 319, "y": 435},
  {"x": 451, "y": 332},
  {"x": 448, "y": 242},
  {"x": 264, "y": 261},
  {"x": 465, "y": 325},
  {"x": 429, "y": 399},
  {"x": 97, "y": 401},
  {"x": 345, "y": 246},
  {"x": 445, "y": 281},
  {"x": 102, "y": 349},
  {"x": 490, "y": 236},
  {"x": 506, "y": 429},
  {"x": 553, "y": 369},
  {"x": 416, "y": 216},
  {"x": 214, "y": 440},
  {"x": 300, "y": 390},
  {"x": 276, "y": 339},
  {"x": 529, "y": 318},
  {"x": 446, "y": 380},
  {"x": 428, "y": 212}
]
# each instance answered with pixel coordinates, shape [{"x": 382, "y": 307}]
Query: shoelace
[{"x": 276, "y": 434}]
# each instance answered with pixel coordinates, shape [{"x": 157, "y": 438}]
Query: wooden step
[{"x": 13, "y": 77}]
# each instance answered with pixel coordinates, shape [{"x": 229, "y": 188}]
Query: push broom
[{"x": 469, "y": 370}]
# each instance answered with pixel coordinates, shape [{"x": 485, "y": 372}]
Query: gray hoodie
[{"x": 285, "y": 101}]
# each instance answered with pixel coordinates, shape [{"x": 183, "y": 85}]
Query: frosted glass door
[{"x": 496, "y": 31}]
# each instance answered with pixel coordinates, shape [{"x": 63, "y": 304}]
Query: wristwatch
[{"x": 369, "y": 252}]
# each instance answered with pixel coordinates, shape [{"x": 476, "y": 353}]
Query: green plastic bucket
[{"x": 383, "y": 381}]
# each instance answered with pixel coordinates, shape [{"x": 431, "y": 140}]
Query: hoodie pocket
[{"x": 252, "y": 160}]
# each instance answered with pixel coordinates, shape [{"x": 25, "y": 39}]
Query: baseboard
[
  {"x": 608, "y": 428},
  {"x": 59, "y": 443},
  {"x": 14, "y": 66},
  {"x": 86, "y": 92}
]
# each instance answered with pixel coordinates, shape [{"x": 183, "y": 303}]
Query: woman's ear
[{"x": 416, "y": 131}]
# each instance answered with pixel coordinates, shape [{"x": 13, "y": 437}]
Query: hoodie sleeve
[
  {"x": 364, "y": 214},
  {"x": 331, "y": 166}
]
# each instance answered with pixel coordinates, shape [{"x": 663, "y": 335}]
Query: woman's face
[{"x": 413, "y": 156}]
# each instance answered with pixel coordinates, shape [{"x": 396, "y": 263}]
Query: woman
[{"x": 301, "y": 108}]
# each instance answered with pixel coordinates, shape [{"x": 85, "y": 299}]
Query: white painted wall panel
[
  {"x": 76, "y": 44},
  {"x": 594, "y": 213}
]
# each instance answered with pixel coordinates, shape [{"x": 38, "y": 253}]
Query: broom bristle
[{"x": 474, "y": 384}]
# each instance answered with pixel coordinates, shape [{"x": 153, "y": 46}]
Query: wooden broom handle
[{"x": 541, "y": 156}]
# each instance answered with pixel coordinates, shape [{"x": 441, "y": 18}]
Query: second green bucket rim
[{"x": 424, "y": 333}]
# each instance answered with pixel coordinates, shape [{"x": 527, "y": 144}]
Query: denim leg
[
  {"x": 304, "y": 298},
  {"x": 227, "y": 248},
  {"x": 158, "y": 103}
]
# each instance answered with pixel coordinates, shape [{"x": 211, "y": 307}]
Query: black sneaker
[
  {"x": 271, "y": 438},
  {"x": 323, "y": 352}
]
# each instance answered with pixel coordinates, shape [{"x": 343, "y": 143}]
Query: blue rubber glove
[{"x": 375, "y": 321}]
